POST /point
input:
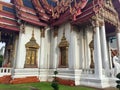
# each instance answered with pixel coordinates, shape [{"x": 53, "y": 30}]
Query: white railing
[
  {"x": 5, "y": 71},
  {"x": 87, "y": 71}
]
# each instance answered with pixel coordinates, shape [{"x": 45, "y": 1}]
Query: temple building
[{"x": 74, "y": 37}]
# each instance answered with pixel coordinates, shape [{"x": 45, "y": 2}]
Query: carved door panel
[
  {"x": 63, "y": 57},
  {"x": 28, "y": 58},
  {"x": 63, "y": 62},
  {"x": 31, "y": 58}
]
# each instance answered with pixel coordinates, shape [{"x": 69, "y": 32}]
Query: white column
[
  {"x": 97, "y": 53},
  {"x": 42, "y": 51},
  {"x": 74, "y": 50},
  {"x": 118, "y": 39},
  {"x": 55, "y": 59},
  {"x": 81, "y": 62},
  {"x": 20, "y": 51},
  {"x": 104, "y": 48}
]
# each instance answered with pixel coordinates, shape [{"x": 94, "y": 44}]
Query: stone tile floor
[{"x": 110, "y": 88}]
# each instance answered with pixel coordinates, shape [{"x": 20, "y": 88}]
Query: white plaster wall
[
  {"x": 47, "y": 48},
  {"x": 85, "y": 38},
  {"x": 77, "y": 62},
  {"x": 51, "y": 50},
  {"x": 23, "y": 39},
  {"x": 67, "y": 28},
  {"x": 75, "y": 46},
  {"x": 72, "y": 36},
  {"x": 81, "y": 49},
  {"x": 78, "y": 51}
]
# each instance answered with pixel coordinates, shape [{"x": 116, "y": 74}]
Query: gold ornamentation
[
  {"x": 55, "y": 31},
  {"x": 118, "y": 28},
  {"x": 98, "y": 19},
  {"x": 104, "y": 12},
  {"x": 110, "y": 14},
  {"x": 73, "y": 6},
  {"x": 22, "y": 28},
  {"x": 64, "y": 42},
  {"x": 31, "y": 52}
]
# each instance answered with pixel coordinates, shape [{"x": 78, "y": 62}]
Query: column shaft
[
  {"x": 55, "y": 59},
  {"x": 104, "y": 48},
  {"x": 97, "y": 53},
  {"x": 118, "y": 42},
  {"x": 74, "y": 50},
  {"x": 42, "y": 59},
  {"x": 20, "y": 54}
]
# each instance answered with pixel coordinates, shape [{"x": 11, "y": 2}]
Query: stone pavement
[{"x": 110, "y": 88}]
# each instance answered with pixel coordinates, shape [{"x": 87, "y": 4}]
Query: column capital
[
  {"x": 118, "y": 28},
  {"x": 42, "y": 32},
  {"x": 22, "y": 28},
  {"x": 102, "y": 23},
  {"x": 55, "y": 32},
  {"x": 97, "y": 20}
]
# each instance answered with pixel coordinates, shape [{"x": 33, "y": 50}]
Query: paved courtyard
[{"x": 111, "y": 88}]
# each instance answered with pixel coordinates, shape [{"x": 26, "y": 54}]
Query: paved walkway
[{"x": 110, "y": 88}]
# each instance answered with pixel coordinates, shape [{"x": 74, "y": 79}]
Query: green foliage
[
  {"x": 40, "y": 86},
  {"x": 55, "y": 84},
  {"x": 55, "y": 72}
]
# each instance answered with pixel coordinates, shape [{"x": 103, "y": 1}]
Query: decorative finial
[
  {"x": 64, "y": 31},
  {"x": 33, "y": 32}
]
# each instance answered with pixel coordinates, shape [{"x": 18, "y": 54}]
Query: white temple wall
[
  {"x": 75, "y": 46},
  {"x": 78, "y": 51},
  {"x": 81, "y": 49},
  {"x": 51, "y": 51},
  {"x": 47, "y": 48},
  {"x": 23, "y": 39},
  {"x": 85, "y": 39},
  {"x": 67, "y": 28}
]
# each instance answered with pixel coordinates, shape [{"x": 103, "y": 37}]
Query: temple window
[
  {"x": 31, "y": 53},
  {"x": 63, "y": 63}
]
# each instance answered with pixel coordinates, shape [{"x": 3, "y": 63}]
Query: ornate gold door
[{"x": 31, "y": 58}]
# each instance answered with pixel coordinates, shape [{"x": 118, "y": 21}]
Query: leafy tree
[{"x": 55, "y": 82}]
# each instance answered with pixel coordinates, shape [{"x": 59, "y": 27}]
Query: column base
[
  {"x": 98, "y": 83},
  {"x": 25, "y": 72}
]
